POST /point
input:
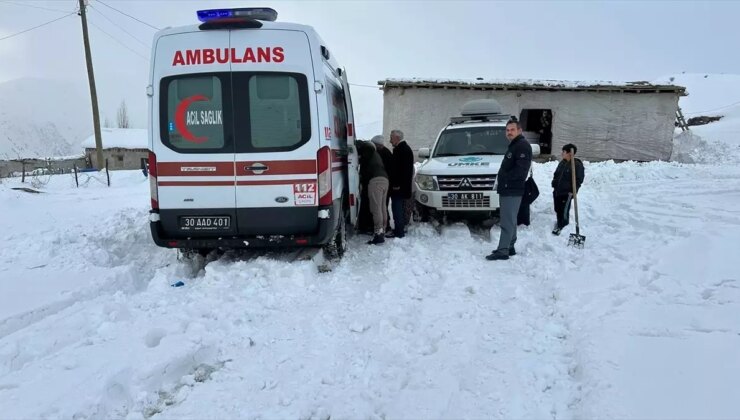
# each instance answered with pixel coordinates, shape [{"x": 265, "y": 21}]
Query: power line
[
  {"x": 115, "y": 39},
  {"x": 119, "y": 27},
  {"x": 36, "y": 27},
  {"x": 33, "y": 6},
  {"x": 714, "y": 110},
  {"x": 367, "y": 86},
  {"x": 126, "y": 14}
]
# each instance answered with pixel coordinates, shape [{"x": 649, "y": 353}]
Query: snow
[
  {"x": 524, "y": 82},
  {"x": 711, "y": 95},
  {"x": 641, "y": 323},
  {"x": 125, "y": 138},
  {"x": 42, "y": 118}
]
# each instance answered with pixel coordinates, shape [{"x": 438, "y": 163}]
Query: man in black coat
[
  {"x": 510, "y": 187},
  {"x": 402, "y": 174},
  {"x": 562, "y": 186}
]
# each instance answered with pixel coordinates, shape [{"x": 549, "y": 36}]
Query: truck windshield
[{"x": 472, "y": 141}]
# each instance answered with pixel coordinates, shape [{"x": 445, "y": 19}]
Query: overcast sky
[{"x": 375, "y": 40}]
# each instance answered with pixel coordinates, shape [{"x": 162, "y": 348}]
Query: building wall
[
  {"x": 118, "y": 158},
  {"x": 604, "y": 125}
]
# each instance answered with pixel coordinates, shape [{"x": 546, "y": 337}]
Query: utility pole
[{"x": 93, "y": 91}]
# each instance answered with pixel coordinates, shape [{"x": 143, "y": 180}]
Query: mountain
[{"x": 43, "y": 118}]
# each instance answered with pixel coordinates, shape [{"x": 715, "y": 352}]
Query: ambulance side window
[
  {"x": 192, "y": 114},
  {"x": 271, "y": 111},
  {"x": 338, "y": 116}
]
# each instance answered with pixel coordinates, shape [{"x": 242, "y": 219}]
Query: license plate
[
  {"x": 465, "y": 196},
  {"x": 201, "y": 223}
]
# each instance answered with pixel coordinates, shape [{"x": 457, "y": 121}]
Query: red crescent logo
[{"x": 180, "y": 121}]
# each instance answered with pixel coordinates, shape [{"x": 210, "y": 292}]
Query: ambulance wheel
[{"x": 336, "y": 248}]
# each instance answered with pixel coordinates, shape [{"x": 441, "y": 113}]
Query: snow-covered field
[{"x": 641, "y": 323}]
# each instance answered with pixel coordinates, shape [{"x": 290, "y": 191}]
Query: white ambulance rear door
[
  {"x": 353, "y": 164},
  {"x": 275, "y": 109},
  {"x": 193, "y": 130}
]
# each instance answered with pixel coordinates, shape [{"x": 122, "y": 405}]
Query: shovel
[{"x": 576, "y": 239}]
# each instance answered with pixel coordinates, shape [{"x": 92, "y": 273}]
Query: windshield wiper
[
  {"x": 446, "y": 154},
  {"x": 482, "y": 154}
]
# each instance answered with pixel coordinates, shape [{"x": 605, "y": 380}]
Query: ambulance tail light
[
  {"x": 324, "y": 170},
  {"x": 153, "y": 180}
]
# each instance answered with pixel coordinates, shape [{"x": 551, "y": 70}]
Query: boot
[
  {"x": 378, "y": 239},
  {"x": 495, "y": 255}
]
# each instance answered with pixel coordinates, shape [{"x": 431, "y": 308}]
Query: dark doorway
[{"x": 538, "y": 122}]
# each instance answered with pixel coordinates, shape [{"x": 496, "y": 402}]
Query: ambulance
[{"x": 251, "y": 136}]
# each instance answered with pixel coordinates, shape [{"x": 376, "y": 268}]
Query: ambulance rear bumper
[{"x": 316, "y": 232}]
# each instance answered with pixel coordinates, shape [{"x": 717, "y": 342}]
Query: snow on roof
[
  {"x": 125, "y": 138},
  {"x": 530, "y": 84}
]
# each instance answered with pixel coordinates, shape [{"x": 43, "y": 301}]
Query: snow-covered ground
[{"x": 641, "y": 323}]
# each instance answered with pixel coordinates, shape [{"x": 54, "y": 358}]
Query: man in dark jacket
[
  {"x": 510, "y": 187},
  {"x": 402, "y": 173},
  {"x": 387, "y": 156},
  {"x": 562, "y": 186},
  {"x": 373, "y": 174}
]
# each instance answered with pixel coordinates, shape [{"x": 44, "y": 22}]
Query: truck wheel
[{"x": 421, "y": 213}]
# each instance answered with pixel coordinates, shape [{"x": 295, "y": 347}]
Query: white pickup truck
[{"x": 458, "y": 175}]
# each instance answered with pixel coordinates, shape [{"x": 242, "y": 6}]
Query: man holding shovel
[{"x": 562, "y": 185}]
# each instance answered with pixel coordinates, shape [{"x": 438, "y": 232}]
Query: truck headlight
[{"x": 426, "y": 182}]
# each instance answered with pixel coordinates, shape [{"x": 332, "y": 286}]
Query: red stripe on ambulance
[
  {"x": 278, "y": 167},
  {"x": 195, "y": 168}
]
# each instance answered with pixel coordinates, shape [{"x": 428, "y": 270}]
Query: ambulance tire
[{"x": 336, "y": 248}]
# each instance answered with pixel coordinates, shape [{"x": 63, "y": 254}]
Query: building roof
[
  {"x": 124, "y": 138},
  {"x": 531, "y": 84}
]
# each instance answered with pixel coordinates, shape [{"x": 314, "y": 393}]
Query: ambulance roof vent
[
  {"x": 481, "y": 107},
  {"x": 250, "y": 13}
]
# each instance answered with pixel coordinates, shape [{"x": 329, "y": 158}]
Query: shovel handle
[{"x": 575, "y": 190}]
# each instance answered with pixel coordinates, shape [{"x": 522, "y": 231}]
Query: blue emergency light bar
[{"x": 256, "y": 13}]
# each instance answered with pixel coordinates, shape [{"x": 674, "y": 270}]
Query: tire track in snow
[{"x": 123, "y": 244}]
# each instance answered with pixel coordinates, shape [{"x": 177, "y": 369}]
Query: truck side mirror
[{"x": 424, "y": 153}]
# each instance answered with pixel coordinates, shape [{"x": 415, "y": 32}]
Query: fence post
[
  {"x": 23, "y": 171},
  {"x": 77, "y": 182},
  {"x": 107, "y": 174}
]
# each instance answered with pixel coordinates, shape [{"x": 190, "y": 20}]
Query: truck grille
[
  {"x": 481, "y": 202},
  {"x": 466, "y": 183}
]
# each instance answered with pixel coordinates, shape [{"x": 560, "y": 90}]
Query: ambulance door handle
[{"x": 257, "y": 168}]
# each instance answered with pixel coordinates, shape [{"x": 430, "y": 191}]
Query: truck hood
[{"x": 461, "y": 165}]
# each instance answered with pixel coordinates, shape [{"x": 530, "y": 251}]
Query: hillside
[
  {"x": 711, "y": 95},
  {"x": 42, "y": 118}
]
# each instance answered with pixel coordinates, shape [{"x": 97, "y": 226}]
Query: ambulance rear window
[
  {"x": 271, "y": 112},
  {"x": 195, "y": 114}
]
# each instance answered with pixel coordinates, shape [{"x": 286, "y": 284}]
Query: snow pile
[
  {"x": 641, "y": 323},
  {"x": 689, "y": 147}
]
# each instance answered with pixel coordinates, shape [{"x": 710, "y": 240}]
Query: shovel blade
[{"x": 576, "y": 240}]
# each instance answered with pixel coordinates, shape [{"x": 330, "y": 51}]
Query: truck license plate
[{"x": 465, "y": 196}]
